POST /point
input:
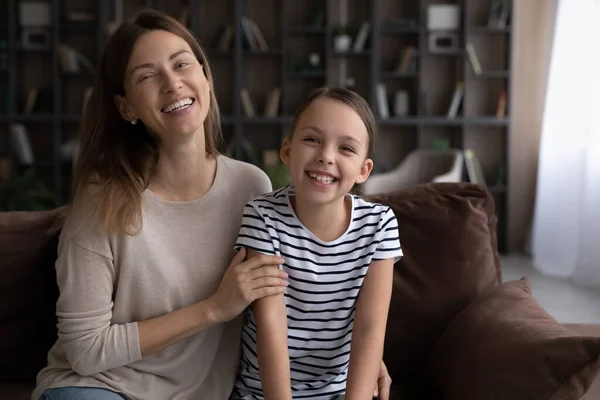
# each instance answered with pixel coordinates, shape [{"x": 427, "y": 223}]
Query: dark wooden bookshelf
[{"x": 293, "y": 30}]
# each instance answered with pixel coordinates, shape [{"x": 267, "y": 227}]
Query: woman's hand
[{"x": 246, "y": 281}]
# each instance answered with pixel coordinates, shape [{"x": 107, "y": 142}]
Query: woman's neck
[
  {"x": 329, "y": 221},
  {"x": 184, "y": 172}
]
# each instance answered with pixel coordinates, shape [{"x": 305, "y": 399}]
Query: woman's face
[{"x": 165, "y": 87}]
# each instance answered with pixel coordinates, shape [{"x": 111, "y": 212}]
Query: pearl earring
[{"x": 133, "y": 121}]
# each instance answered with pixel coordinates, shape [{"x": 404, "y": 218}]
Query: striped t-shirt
[{"x": 324, "y": 282}]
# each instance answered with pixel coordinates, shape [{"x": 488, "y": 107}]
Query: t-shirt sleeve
[
  {"x": 388, "y": 241},
  {"x": 254, "y": 234}
]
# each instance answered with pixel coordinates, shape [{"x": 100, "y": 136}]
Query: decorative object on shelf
[
  {"x": 341, "y": 39},
  {"x": 401, "y": 103},
  {"x": 314, "y": 60},
  {"x": 25, "y": 193},
  {"x": 35, "y": 22},
  {"x": 444, "y": 42},
  {"x": 350, "y": 83},
  {"x": 441, "y": 144},
  {"x": 443, "y": 17}
]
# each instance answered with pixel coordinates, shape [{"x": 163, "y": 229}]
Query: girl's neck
[
  {"x": 183, "y": 173},
  {"x": 327, "y": 222}
]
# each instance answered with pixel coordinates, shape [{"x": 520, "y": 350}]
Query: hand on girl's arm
[
  {"x": 92, "y": 344},
  {"x": 369, "y": 330},
  {"x": 271, "y": 345}
]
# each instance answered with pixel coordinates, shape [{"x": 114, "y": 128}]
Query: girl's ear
[
  {"x": 284, "y": 152},
  {"x": 365, "y": 171}
]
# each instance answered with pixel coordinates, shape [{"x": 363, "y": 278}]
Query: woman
[{"x": 148, "y": 308}]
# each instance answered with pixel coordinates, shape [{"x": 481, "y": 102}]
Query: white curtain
[{"x": 566, "y": 229}]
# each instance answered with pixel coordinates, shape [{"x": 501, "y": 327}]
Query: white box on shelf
[
  {"x": 443, "y": 17},
  {"x": 35, "y": 14}
]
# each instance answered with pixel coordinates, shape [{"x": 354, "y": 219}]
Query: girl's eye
[
  {"x": 348, "y": 149},
  {"x": 310, "y": 140}
]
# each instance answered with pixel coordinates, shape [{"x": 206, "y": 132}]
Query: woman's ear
[
  {"x": 365, "y": 171},
  {"x": 284, "y": 152},
  {"x": 124, "y": 108}
]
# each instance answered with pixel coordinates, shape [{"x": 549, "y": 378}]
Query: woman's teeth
[{"x": 179, "y": 105}]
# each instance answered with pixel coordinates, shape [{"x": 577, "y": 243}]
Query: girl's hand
[{"x": 246, "y": 281}]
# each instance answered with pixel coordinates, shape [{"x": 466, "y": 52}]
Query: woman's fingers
[
  {"x": 268, "y": 282},
  {"x": 262, "y": 272},
  {"x": 260, "y": 261},
  {"x": 239, "y": 257},
  {"x": 266, "y": 291}
]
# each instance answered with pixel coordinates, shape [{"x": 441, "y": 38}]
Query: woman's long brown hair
[{"x": 116, "y": 159}]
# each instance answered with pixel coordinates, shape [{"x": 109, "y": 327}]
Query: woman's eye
[{"x": 181, "y": 64}]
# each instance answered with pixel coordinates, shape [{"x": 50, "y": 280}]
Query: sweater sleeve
[{"x": 92, "y": 344}]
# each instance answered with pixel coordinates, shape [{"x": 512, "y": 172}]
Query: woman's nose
[{"x": 171, "y": 83}]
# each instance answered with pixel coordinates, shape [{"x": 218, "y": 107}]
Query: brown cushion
[
  {"x": 505, "y": 346},
  {"x": 447, "y": 232},
  {"x": 28, "y": 291}
]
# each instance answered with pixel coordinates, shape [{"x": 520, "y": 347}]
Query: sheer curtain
[{"x": 566, "y": 229}]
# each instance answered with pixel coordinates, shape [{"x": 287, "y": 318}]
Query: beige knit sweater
[{"x": 108, "y": 283}]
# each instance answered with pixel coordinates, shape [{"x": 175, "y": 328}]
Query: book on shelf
[
  {"x": 80, "y": 16},
  {"x": 71, "y": 59},
  {"x": 474, "y": 172},
  {"x": 223, "y": 37},
  {"x": 456, "y": 100},
  {"x": 361, "y": 37},
  {"x": 272, "y": 103},
  {"x": 21, "y": 144},
  {"x": 32, "y": 95},
  {"x": 253, "y": 37},
  {"x": 408, "y": 60},
  {"x": 499, "y": 13},
  {"x": 501, "y": 106},
  {"x": 247, "y": 105},
  {"x": 382, "y": 102},
  {"x": 473, "y": 59}
]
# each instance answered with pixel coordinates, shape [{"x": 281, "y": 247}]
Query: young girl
[{"x": 323, "y": 337}]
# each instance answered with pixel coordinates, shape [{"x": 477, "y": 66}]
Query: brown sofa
[{"x": 455, "y": 331}]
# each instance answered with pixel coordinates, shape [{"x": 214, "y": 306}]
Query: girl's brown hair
[
  {"x": 348, "y": 97},
  {"x": 118, "y": 158}
]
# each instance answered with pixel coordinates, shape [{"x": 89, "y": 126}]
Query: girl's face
[
  {"x": 165, "y": 87},
  {"x": 327, "y": 153}
]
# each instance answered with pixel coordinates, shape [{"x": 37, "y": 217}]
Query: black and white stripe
[{"x": 325, "y": 279}]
